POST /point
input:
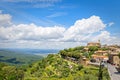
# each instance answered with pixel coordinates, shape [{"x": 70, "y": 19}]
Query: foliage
[
  {"x": 93, "y": 48},
  {"x": 79, "y": 51},
  {"x": 104, "y": 48},
  {"x": 105, "y": 74},
  {"x": 72, "y": 52},
  {"x": 119, "y": 54},
  {"x": 10, "y": 72},
  {"x": 54, "y": 67}
]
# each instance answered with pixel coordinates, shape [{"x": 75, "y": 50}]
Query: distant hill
[{"x": 17, "y": 58}]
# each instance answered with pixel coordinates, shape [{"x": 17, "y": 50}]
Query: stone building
[
  {"x": 100, "y": 56},
  {"x": 114, "y": 59},
  {"x": 94, "y": 44}
]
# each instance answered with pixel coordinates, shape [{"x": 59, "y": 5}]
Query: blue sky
[{"x": 70, "y": 17}]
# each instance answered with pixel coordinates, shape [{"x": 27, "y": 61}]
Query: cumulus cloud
[
  {"x": 90, "y": 25},
  {"x": 104, "y": 36},
  {"x": 31, "y": 35},
  {"x": 82, "y": 29},
  {"x": 5, "y": 19},
  {"x": 31, "y": 32}
]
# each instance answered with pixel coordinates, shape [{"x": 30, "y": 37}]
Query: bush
[{"x": 80, "y": 67}]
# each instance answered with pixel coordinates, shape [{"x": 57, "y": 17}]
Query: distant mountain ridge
[{"x": 32, "y": 51}]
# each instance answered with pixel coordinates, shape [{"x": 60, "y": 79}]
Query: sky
[{"x": 58, "y": 24}]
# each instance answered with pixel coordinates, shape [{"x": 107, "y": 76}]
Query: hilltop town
[
  {"x": 106, "y": 53},
  {"x": 94, "y": 53}
]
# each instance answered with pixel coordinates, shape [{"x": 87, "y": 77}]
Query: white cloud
[
  {"x": 57, "y": 14},
  {"x": 42, "y": 5},
  {"x": 111, "y": 23},
  {"x": 33, "y": 36},
  {"x": 0, "y": 11},
  {"x": 34, "y": 3},
  {"x": 82, "y": 29},
  {"x": 90, "y": 25},
  {"x": 104, "y": 36},
  {"x": 31, "y": 32},
  {"x": 5, "y": 19}
]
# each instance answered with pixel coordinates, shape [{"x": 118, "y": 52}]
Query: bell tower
[{"x": 99, "y": 41}]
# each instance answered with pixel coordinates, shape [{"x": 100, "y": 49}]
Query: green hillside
[
  {"x": 66, "y": 65},
  {"x": 10, "y": 72},
  {"x": 16, "y": 58},
  {"x": 54, "y": 67}
]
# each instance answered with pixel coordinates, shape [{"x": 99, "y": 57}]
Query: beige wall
[{"x": 116, "y": 60}]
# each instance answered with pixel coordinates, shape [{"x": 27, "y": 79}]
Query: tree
[
  {"x": 80, "y": 67},
  {"x": 119, "y": 54},
  {"x": 11, "y": 73},
  {"x": 93, "y": 48},
  {"x": 79, "y": 48}
]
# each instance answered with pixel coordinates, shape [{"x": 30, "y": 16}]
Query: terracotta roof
[
  {"x": 113, "y": 53},
  {"x": 99, "y": 56},
  {"x": 101, "y": 51}
]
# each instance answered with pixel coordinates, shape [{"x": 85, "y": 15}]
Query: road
[{"x": 114, "y": 75}]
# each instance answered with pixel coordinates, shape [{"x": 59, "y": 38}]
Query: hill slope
[
  {"x": 54, "y": 67},
  {"x": 17, "y": 58}
]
